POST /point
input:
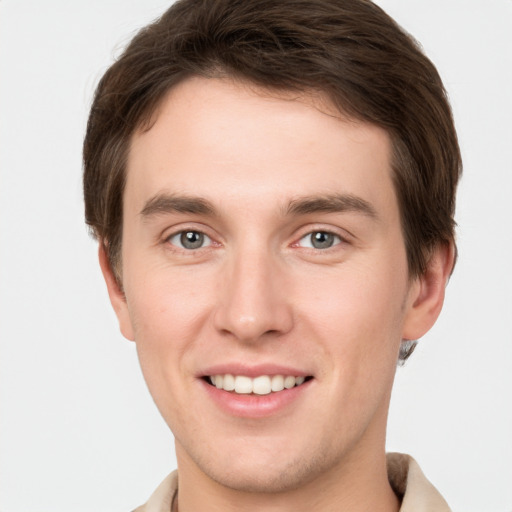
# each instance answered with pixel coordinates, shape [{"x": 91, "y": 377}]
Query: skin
[{"x": 257, "y": 292}]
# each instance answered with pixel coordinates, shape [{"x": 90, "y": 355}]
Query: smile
[{"x": 262, "y": 385}]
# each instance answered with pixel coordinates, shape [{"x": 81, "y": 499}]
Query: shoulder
[
  {"x": 412, "y": 486},
  {"x": 162, "y": 497}
]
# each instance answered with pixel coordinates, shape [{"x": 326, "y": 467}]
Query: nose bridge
[{"x": 253, "y": 302}]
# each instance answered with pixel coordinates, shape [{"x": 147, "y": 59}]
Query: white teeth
[
  {"x": 243, "y": 384},
  {"x": 299, "y": 380},
  {"x": 262, "y": 385},
  {"x": 277, "y": 383},
  {"x": 289, "y": 382},
  {"x": 229, "y": 382}
]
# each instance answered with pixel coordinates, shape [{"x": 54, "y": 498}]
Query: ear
[
  {"x": 426, "y": 295},
  {"x": 116, "y": 294}
]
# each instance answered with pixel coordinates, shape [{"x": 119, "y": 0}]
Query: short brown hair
[{"x": 349, "y": 50}]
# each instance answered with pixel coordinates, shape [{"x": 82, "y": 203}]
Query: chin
[
  {"x": 278, "y": 472},
  {"x": 263, "y": 480}
]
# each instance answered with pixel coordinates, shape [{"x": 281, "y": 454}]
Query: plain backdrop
[{"x": 78, "y": 430}]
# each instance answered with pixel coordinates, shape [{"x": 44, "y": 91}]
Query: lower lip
[{"x": 255, "y": 406}]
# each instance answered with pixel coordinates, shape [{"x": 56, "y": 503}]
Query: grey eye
[
  {"x": 320, "y": 240},
  {"x": 190, "y": 240}
]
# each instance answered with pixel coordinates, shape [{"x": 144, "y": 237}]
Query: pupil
[
  {"x": 322, "y": 240},
  {"x": 192, "y": 239}
]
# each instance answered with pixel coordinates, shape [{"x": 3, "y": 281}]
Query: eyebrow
[
  {"x": 171, "y": 203},
  {"x": 331, "y": 203}
]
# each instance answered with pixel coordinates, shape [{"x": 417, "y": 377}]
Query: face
[{"x": 262, "y": 250}]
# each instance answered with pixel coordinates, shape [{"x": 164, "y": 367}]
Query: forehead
[{"x": 222, "y": 139}]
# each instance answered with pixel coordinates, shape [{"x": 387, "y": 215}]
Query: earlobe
[
  {"x": 116, "y": 295},
  {"x": 427, "y": 293}
]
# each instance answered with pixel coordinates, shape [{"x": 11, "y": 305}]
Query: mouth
[{"x": 261, "y": 385}]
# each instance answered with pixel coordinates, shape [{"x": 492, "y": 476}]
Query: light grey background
[{"x": 78, "y": 430}]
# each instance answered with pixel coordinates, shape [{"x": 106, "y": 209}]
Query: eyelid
[
  {"x": 178, "y": 235},
  {"x": 310, "y": 246},
  {"x": 179, "y": 229},
  {"x": 344, "y": 236}
]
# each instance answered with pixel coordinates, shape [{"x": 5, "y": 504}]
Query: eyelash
[
  {"x": 335, "y": 238},
  {"x": 180, "y": 234},
  {"x": 178, "y": 243}
]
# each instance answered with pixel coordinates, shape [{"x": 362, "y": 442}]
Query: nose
[{"x": 254, "y": 303}]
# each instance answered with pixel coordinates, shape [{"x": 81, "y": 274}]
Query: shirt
[{"x": 405, "y": 476}]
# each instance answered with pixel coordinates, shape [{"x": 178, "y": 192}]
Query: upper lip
[{"x": 252, "y": 370}]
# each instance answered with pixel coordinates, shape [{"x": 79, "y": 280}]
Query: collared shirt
[{"x": 405, "y": 476}]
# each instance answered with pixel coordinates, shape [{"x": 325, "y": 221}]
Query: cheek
[
  {"x": 357, "y": 310},
  {"x": 168, "y": 311}
]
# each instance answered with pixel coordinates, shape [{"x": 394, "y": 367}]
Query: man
[{"x": 272, "y": 186}]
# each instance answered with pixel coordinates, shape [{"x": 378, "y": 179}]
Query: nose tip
[
  {"x": 254, "y": 304},
  {"x": 249, "y": 328}
]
